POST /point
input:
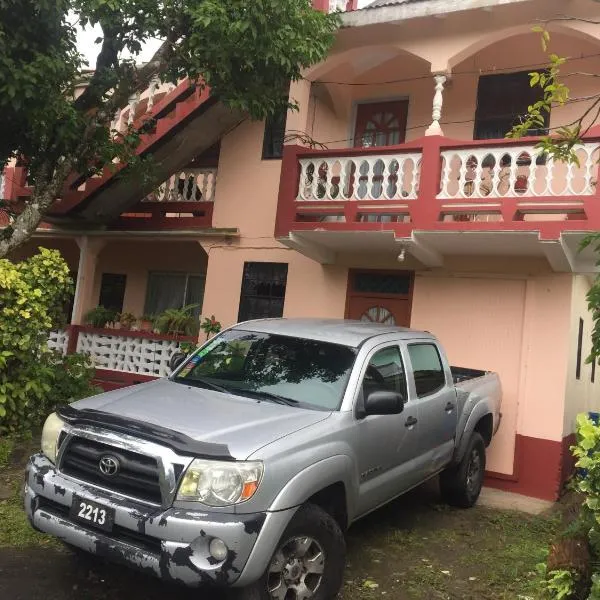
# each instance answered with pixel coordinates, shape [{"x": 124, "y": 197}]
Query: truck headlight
[
  {"x": 50, "y": 433},
  {"x": 217, "y": 483}
]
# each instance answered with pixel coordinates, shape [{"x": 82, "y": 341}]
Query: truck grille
[{"x": 137, "y": 474}]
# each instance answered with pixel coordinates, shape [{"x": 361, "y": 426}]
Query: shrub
[{"x": 32, "y": 298}]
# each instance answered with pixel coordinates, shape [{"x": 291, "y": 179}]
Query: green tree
[
  {"x": 247, "y": 51},
  {"x": 562, "y": 142}
]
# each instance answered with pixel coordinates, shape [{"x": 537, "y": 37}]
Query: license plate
[{"x": 92, "y": 513}]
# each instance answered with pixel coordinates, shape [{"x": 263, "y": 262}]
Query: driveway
[{"x": 416, "y": 548}]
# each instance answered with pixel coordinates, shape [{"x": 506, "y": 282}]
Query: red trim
[
  {"x": 541, "y": 467},
  {"x": 135, "y": 334},
  {"x": 153, "y": 215}
]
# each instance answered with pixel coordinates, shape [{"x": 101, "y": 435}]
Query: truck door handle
[
  {"x": 449, "y": 407},
  {"x": 410, "y": 422}
]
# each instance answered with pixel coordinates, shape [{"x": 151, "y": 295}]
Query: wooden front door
[
  {"x": 381, "y": 124},
  {"x": 380, "y": 297}
]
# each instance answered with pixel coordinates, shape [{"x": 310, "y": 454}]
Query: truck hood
[{"x": 244, "y": 425}]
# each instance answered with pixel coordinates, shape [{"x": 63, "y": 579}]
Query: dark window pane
[
  {"x": 274, "y": 135},
  {"x": 195, "y": 293},
  {"x": 263, "y": 290},
  {"x": 112, "y": 291},
  {"x": 501, "y": 100},
  {"x": 427, "y": 368},
  {"x": 165, "y": 290},
  {"x": 385, "y": 373},
  {"x": 379, "y": 283}
]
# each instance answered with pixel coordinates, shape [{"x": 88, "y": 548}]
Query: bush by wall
[{"x": 33, "y": 379}]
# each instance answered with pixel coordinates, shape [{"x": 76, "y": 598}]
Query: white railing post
[{"x": 438, "y": 102}]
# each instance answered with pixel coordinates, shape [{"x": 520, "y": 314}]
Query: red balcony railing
[{"x": 438, "y": 184}]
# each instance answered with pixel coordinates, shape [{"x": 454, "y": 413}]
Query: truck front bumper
[{"x": 172, "y": 544}]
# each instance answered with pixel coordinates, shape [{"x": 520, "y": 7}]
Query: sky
[{"x": 86, "y": 38}]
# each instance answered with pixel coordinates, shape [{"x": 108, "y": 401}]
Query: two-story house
[{"x": 409, "y": 208}]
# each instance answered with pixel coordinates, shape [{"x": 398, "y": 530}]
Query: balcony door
[
  {"x": 380, "y": 124},
  {"x": 380, "y": 297}
]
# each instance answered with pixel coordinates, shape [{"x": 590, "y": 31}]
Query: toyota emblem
[{"x": 109, "y": 466}]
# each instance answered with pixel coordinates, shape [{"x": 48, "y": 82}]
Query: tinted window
[
  {"x": 427, "y": 368},
  {"x": 385, "y": 373},
  {"x": 274, "y": 134},
  {"x": 263, "y": 290},
  {"x": 112, "y": 291},
  {"x": 273, "y": 368},
  {"x": 501, "y": 101}
]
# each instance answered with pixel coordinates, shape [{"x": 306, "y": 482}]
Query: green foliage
[
  {"x": 100, "y": 316},
  {"x": 211, "y": 326},
  {"x": 32, "y": 296},
  {"x": 6, "y": 447},
  {"x": 247, "y": 52},
  {"x": 559, "y": 585},
  {"x": 177, "y": 321}
]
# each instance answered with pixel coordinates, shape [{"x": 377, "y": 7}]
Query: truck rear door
[{"x": 435, "y": 396}]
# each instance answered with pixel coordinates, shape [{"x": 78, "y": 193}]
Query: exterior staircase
[{"x": 185, "y": 122}]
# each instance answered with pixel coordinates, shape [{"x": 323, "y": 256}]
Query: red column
[
  {"x": 288, "y": 190},
  {"x": 322, "y": 5},
  {"x": 427, "y": 208}
]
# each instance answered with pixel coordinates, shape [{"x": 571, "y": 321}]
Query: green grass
[
  {"x": 477, "y": 554},
  {"x": 15, "y": 530}
]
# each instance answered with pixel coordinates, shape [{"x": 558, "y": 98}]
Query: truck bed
[{"x": 460, "y": 374}]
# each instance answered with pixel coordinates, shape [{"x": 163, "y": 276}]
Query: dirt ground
[{"x": 414, "y": 549}]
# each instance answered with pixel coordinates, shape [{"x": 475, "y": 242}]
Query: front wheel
[
  {"x": 308, "y": 563},
  {"x": 461, "y": 485}
]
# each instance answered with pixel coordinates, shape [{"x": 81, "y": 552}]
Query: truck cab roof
[{"x": 338, "y": 331}]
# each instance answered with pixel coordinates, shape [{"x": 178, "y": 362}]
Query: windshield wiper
[
  {"x": 203, "y": 382},
  {"x": 269, "y": 396}
]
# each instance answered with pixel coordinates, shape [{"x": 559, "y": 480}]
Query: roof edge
[{"x": 373, "y": 15}]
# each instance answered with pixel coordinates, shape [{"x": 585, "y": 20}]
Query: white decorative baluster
[
  {"x": 438, "y": 102},
  {"x": 154, "y": 85},
  {"x": 533, "y": 174},
  {"x": 568, "y": 189},
  {"x": 134, "y": 100}
]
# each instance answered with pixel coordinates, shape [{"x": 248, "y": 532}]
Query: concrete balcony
[{"x": 504, "y": 197}]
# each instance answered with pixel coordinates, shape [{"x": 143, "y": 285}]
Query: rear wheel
[
  {"x": 461, "y": 485},
  {"x": 308, "y": 563}
]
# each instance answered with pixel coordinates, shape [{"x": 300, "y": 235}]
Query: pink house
[{"x": 410, "y": 208}]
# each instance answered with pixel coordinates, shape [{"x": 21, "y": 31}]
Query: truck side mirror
[
  {"x": 176, "y": 359},
  {"x": 384, "y": 402}
]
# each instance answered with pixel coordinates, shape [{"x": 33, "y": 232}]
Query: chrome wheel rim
[
  {"x": 296, "y": 570},
  {"x": 474, "y": 471}
]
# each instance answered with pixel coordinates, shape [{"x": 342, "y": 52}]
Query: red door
[
  {"x": 381, "y": 124},
  {"x": 380, "y": 297}
]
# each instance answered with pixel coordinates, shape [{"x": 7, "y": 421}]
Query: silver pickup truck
[{"x": 245, "y": 467}]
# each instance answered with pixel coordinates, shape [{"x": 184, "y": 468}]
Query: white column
[
  {"x": 438, "y": 102},
  {"x": 134, "y": 100},
  {"x": 86, "y": 272}
]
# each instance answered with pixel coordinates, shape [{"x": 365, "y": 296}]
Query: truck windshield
[{"x": 274, "y": 368}]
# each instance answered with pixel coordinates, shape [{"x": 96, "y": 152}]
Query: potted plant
[
  {"x": 127, "y": 320},
  {"x": 210, "y": 326},
  {"x": 146, "y": 322},
  {"x": 99, "y": 317},
  {"x": 176, "y": 321}
]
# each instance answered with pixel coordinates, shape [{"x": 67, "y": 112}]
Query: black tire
[
  {"x": 313, "y": 522},
  {"x": 461, "y": 485}
]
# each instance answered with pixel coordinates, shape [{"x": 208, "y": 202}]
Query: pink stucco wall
[{"x": 501, "y": 324}]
